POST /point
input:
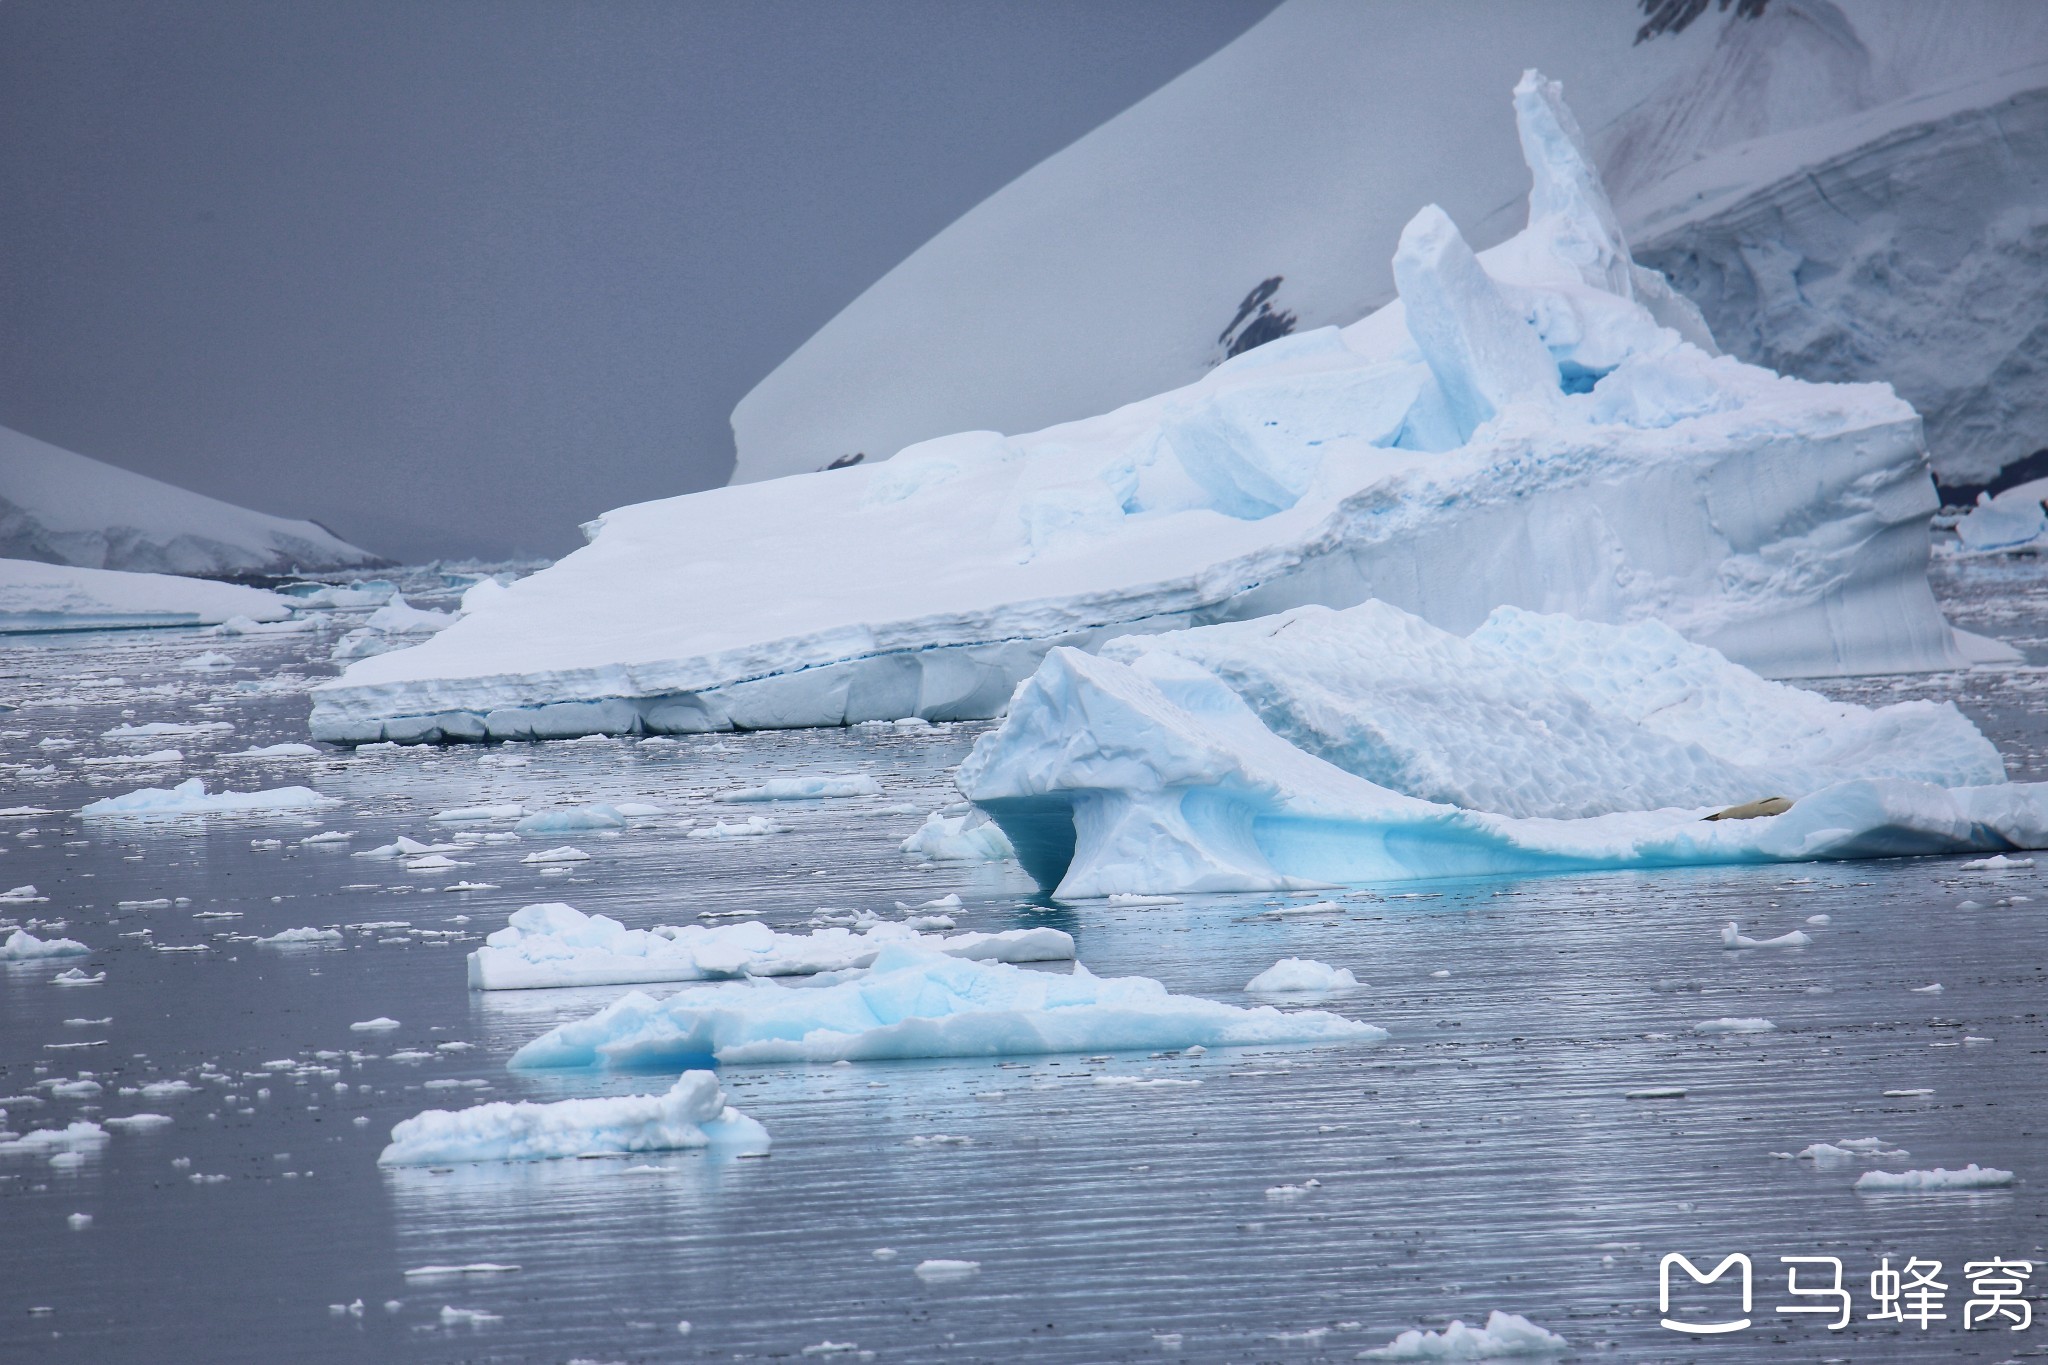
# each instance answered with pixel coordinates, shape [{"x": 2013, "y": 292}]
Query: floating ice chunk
[
  {"x": 277, "y": 751},
  {"x": 558, "y": 945},
  {"x": 246, "y": 625},
  {"x": 693, "y": 1113},
  {"x": 330, "y": 836},
  {"x": 752, "y": 827},
  {"x": 405, "y": 848},
  {"x": 917, "y": 1003},
  {"x": 969, "y": 838},
  {"x": 2013, "y": 519},
  {"x": 1732, "y": 1025},
  {"x": 563, "y": 854},
  {"x": 211, "y": 659},
  {"x": 22, "y": 895},
  {"x": 1970, "y": 1177},
  {"x": 438, "y": 1272},
  {"x": 79, "y": 1222},
  {"x": 1482, "y": 352},
  {"x": 464, "y": 815},
  {"x": 56, "y": 597},
  {"x": 467, "y": 1317},
  {"x": 138, "y": 1123},
  {"x": 160, "y": 728},
  {"x": 287, "y": 937},
  {"x": 190, "y": 798},
  {"x": 1733, "y": 937},
  {"x": 1997, "y": 862},
  {"x": 1298, "y": 975},
  {"x": 944, "y": 1271},
  {"x": 22, "y": 946},
  {"x": 1505, "y": 1335},
  {"x": 77, "y": 1137},
  {"x": 433, "y": 862},
  {"x": 471, "y": 886},
  {"x": 1934, "y": 989},
  {"x": 597, "y": 816},
  {"x": 806, "y": 789},
  {"x": 77, "y": 976},
  {"x": 380, "y": 1024}
]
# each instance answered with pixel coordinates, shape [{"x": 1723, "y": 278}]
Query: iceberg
[
  {"x": 1541, "y": 424},
  {"x": 1304, "y": 750},
  {"x": 558, "y": 945},
  {"x": 61, "y": 508},
  {"x": 2015, "y": 519},
  {"x": 692, "y": 1113},
  {"x": 53, "y": 597},
  {"x": 913, "y": 1002},
  {"x": 190, "y": 797}
]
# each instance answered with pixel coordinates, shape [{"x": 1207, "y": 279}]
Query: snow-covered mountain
[
  {"x": 1262, "y": 191},
  {"x": 62, "y": 508}
]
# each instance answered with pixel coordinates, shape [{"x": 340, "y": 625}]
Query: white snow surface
[
  {"x": 913, "y": 1002},
  {"x": 51, "y": 597},
  {"x": 692, "y": 1113},
  {"x": 190, "y": 797},
  {"x": 1529, "y": 426},
  {"x": 61, "y": 508},
  {"x": 558, "y": 945},
  {"x": 1505, "y": 1335},
  {"x": 1158, "y": 776}
]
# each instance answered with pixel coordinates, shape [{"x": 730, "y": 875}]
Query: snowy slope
[
  {"x": 1115, "y": 268},
  {"x": 62, "y": 508},
  {"x": 46, "y": 597},
  {"x": 1516, "y": 428}
]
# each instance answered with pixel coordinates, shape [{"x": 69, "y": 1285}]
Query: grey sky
[{"x": 453, "y": 276}]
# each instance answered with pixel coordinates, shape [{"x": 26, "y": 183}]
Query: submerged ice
[{"x": 1542, "y": 424}]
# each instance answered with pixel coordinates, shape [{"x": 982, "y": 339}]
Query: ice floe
[
  {"x": 55, "y": 597},
  {"x": 969, "y": 837},
  {"x": 1540, "y": 424},
  {"x": 558, "y": 945},
  {"x": 1505, "y": 1335},
  {"x": 916, "y": 1003},
  {"x": 190, "y": 797},
  {"x": 806, "y": 789},
  {"x": 692, "y": 1113},
  {"x": 1733, "y": 937},
  {"x": 285, "y": 938},
  {"x": 565, "y": 853},
  {"x": 1970, "y": 1177}
]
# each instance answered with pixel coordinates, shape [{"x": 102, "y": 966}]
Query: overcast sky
[{"x": 451, "y": 276}]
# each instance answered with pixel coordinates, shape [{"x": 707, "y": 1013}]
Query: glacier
[
  {"x": 1320, "y": 747},
  {"x": 61, "y": 508},
  {"x": 692, "y": 1113},
  {"x": 37, "y": 597},
  {"x": 1854, "y": 188},
  {"x": 1542, "y": 424},
  {"x": 558, "y": 945},
  {"x": 912, "y": 1002}
]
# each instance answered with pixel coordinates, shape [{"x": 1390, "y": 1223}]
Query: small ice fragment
[
  {"x": 885, "y": 1253},
  {"x": 1735, "y": 1026},
  {"x": 806, "y": 789},
  {"x": 378, "y": 1025},
  {"x": 79, "y": 1221},
  {"x": 1657, "y": 1092},
  {"x": 1297, "y": 975},
  {"x": 1970, "y": 905},
  {"x": 1733, "y": 937},
  {"x": 1820, "y": 919},
  {"x": 1439, "y": 974},
  {"x": 1970, "y": 1177},
  {"x": 1505, "y": 1334},
  {"x": 1913, "y": 1094},
  {"x": 435, "y": 1272},
  {"x": 1997, "y": 862},
  {"x": 563, "y": 854},
  {"x": 941, "y": 1271},
  {"x": 467, "y": 1317}
]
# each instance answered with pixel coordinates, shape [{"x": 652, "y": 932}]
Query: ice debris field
[{"x": 1545, "y": 425}]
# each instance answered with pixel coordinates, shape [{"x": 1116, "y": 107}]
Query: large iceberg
[
  {"x": 62, "y": 508},
  {"x": 693, "y": 1113},
  {"x": 1854, "y": 188},
  {"x": 1319, "y": 747},
  {"x": 916, "y": 1003},
  {"x": 1540, "y": 424},
  {"x": 38, "y": 597},
  {"x": 559, "y": 945}
]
